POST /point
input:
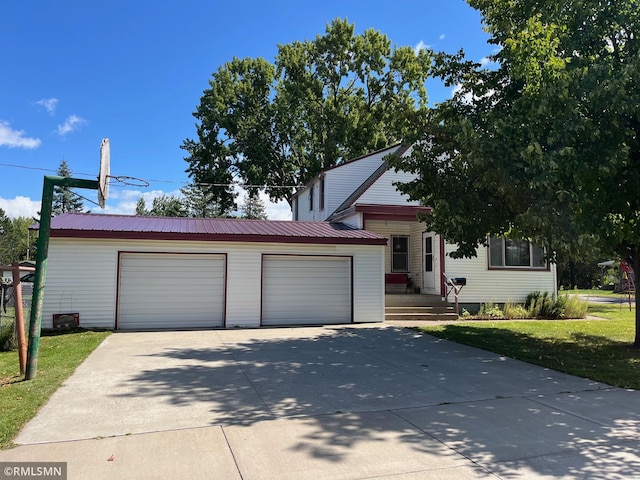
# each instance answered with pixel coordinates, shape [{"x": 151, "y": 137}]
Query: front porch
[{"x": 418, "y": 307}]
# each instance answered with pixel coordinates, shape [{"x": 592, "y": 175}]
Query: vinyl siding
[
  {"x": 384, "y": 192},
  {"x": 499, "y": 286},
  {"x": 82, "y": 276}
]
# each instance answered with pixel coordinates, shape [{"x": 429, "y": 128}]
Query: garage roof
[{"x": 88, "y": 225}]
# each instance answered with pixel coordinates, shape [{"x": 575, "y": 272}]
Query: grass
[
  {"x": 599, "y": 349},
  {"x": 59, "y": 355}
]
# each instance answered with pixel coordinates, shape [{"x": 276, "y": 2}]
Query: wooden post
[{"x": 17, "y": 303}]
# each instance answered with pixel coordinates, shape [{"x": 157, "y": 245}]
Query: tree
[
  {"x": 141, "y": 207},
  {"x": 15, "y": 241},
  {"x": 64, "y": 199},
  {"x": 253, "y": 207},
  {"x": 168, "y": 206},
  {"x": 546, "y": 146},
  {"x": 201, "y": 202},
  {"x": 320, "y": 103}
]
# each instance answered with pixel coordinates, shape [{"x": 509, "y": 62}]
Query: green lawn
[
  {"x": 59, "y": 356},
  {"x": 596, "y": 349}
]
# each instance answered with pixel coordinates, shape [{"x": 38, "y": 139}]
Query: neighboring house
[
  {"x": 135, "y": 272},
  {"x": 361, "y": 193}
]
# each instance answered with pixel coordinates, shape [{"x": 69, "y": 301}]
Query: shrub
[
  {"x": 515, "y": 310},
  {"x": 490, "y": 310},
  {"x": 575, "y": 307},
  {"x": 7, "y": 337}
]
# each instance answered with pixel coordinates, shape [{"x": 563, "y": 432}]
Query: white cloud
[
  {"x": 15, "y": 138},
  {"x": 275, "y": 211},
  {"x": 20, "y": 207},
  {"x": 441, "y": 37},
  {"x": 421, "y": 46},
  {"x": 71, "y": 124},
  {"x": 49, "y": 104}
]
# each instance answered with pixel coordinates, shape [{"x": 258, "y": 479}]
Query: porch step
[
  {"x": 424, "y": 317},
  {"x": 418, "y": 307}
]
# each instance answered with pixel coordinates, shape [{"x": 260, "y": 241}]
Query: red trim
[
  {"x": 402, "y": 213},
  {"x": 228, "y": 237}
]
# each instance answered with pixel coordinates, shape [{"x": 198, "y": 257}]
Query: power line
[{"x": 203, "y": 184}]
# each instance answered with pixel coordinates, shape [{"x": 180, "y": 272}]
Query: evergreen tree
[
  {"x": 64, "y": 199},
  {"x": 141, "y": 207},
  {"x": 253, "y": 207},
  {"x": 201, "y": 202}
]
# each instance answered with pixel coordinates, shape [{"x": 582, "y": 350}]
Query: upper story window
[
  {"x": 508, "y": 253},
  {"x": 399, "y": 253},
  {"x": 295, "y": 208},
  {"x": 321, "y": 194},
  {"x": 311, "y": 198}
]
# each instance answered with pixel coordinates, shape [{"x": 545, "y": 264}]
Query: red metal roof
[{"x": 88, "y": 225}]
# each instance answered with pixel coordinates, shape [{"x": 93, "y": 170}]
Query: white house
[
  {"x": 361, "y": 194},
  {"x": 133, "y": 272}
]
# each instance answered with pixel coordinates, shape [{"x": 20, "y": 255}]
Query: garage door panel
[
  {"x": 306, "y": 290},
  {"x": 171, "y": 291}
]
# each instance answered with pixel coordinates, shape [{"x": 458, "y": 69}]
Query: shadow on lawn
[{"x": 357, "y": 387}]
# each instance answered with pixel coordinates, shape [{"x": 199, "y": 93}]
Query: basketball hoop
[{"x": 103, "y": 184}]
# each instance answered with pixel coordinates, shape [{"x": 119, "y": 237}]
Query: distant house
[{"x": 361, "y": 194}]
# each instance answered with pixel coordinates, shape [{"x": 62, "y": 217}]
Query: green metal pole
[{"x": 42, "y": 254}]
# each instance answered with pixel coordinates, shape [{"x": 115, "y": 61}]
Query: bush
[
  {"x": 542, "y": 305},
  {"x": 515, "y": 310},
  {"x": 7, "y": 337},
  {"x": 490, "y": 310}
]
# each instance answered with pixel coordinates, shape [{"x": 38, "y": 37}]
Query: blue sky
[{"x": 74, "y": 72}]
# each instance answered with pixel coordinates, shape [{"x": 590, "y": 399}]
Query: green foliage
[
  {"x": 200, "y": 201},
  {"x": 15, "y": 239},
  {"x": 545, "y": 145},
  {"x": 490, "y": 310},
  {"x": 515, "y": 310},
  {"x": 64, "y": 200},
  {"x": 321, "y": 102},
  {"x": 574, "y": 307},
  {"x": 8, "y": 340},
  {"x": 163, "y": 206},
  {"x": 253, "y": 207}
]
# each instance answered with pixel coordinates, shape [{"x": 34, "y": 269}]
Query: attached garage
[
  {"x": 135, "y": 272},
  {"x": 305, "y": 290},
  {"x": 170, "y": 291}
]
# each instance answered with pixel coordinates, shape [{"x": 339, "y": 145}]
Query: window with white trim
[
  {"x": 321, "y": 194},
  {"x": 399, "y": 253},
  {"x": 509, "y": 253},
  {"x": 311, "y": 198}
]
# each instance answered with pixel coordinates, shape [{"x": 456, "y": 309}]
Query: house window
[
  {"x": 321, "y": 194},
  {"x": 311, "y": 198},
  {"x": 295, "y": 208},
  {"x": 508, "y": 253},
  {"x": 399, "y": 253}
]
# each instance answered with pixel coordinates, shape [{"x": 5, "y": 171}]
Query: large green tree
[
  {"x": 546, "y": 145},
  {"x": 321, "y": 102},
  {"x": 16, "y": 242},
  {"x": 201, "y": 202},
  {"x": 253, "y": 207},
  {"x": 64, "y": 199}
]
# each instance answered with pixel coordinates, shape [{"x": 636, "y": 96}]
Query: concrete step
[
  {"x": 412, "y": 317},
  {"x": 442, "y": 308}
]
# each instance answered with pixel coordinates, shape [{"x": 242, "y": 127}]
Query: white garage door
[
  {"x": 171, "y": 291},
  {"x": 306, "y": 290}
]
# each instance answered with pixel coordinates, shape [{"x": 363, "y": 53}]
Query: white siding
[
  {"x": 499, "y": 286},
  {"x": 384, "y": 192},
  {"x": 82, "y": 276},
  {"x": 306, "y": 290}
]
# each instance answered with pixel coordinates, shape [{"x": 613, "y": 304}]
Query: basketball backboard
[{"x": 103, "y": 181}]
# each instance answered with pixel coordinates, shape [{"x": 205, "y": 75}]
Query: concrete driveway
[{"x": 351, "y": 402}]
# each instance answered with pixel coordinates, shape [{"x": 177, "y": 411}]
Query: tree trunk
[{"x": 636, "y": 268}]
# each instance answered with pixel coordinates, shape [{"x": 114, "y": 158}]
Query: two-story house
[{"x": 361, "y": 193}]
